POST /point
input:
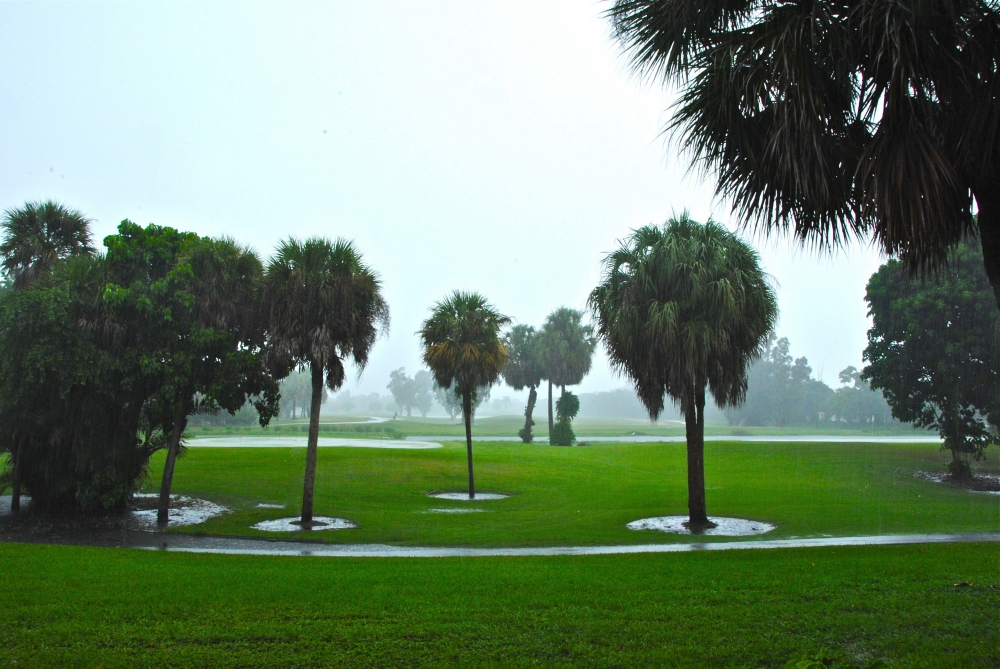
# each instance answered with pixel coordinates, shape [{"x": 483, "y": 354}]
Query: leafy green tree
[
  {"x": 463, "y": 349},
  {"x": 38, "y": 235},
  {"x": 296, "y": 394},
  {"x": 934, "y": 351},
  {"x": 567, "y": 407},
  {"x": 403, "y": 389},
  {"x": 523, "y": 371},
  {"x": 682, "y": 309},
  {"x": 423, "y": 392},
  {"x": 564, "y": 349},
  {"x": 838, "y": 117},
  {"x": 325, "y": 305},
  {"x": 451, "y": 400}
]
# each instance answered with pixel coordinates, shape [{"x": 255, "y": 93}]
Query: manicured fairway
[
  {"x": 84, "y": 607},
  {"x": 586, "y": 495}
]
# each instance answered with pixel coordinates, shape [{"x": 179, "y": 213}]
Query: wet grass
[
  {"x": 70, "y": 606},
  {"x": 586, "y": 495}
]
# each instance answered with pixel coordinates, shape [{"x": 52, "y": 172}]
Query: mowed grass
[
  {"x": 87, "y": 607},
  {"x": 585, "y": 495}
]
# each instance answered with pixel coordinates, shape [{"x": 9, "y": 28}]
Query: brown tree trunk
[
  {"x": 694, "y": 423},
  {"x": 173, "y": 448},
  {"x": 15, "y": 483},
  {"x": 550, "y": 407},
  {"x": 988, "y": 199},
  {"x": 467, "y": 412},
  {"x": 312, "y": 445},
  {"x": 528, "y": 411}
]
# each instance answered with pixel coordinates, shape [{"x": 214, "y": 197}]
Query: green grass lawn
[
  {"x": 85, "y": 607},
  {"x": 585, "y": 496}
]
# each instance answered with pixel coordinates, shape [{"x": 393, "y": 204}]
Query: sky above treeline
[{"x": 502, "y": 147}]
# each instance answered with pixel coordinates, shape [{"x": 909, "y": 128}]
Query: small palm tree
[
  {"x": 39, "y": 234},
  {"x": 680, "y": 309},
  {"x": 523, "y": 370},
  {"x": 324, "y": 305},
  {"x": 463, "y": 346},
  {"x": 565, "y": 348}
]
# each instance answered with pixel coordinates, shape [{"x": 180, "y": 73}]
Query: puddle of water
[
  {"x": 725, "y": 527},
  {"x": 270, "y": 506},
  {"x": 464, "y": 496},
  {"x": 320, "y": 523},
  {"x": 454, "y": 511},
  {"x": 183, "y": 510}
]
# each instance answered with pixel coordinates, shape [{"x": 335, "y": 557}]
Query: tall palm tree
[
  {"x": 680, "y": 309},
  {"x": 523, "y": 370},
  {"x": 838, "y": 117},
  {"x": 565, "y": 350},
  {"x": 39, "y": 234},
  {"x": 462, "y": 346},
  {"x": 325, "y": 305}
]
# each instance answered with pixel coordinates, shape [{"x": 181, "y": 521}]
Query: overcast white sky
[{"x": 501, "y": 147}]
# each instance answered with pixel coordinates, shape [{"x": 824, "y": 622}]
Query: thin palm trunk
[
  {"x": 311, "y": 448},
  {"x": 988, "y": 200},
  {"x": 467, "y": 412},
  {"x": 550, "y": 407},
  {"x": 694, "y": 423},
  {"x": 528, "y": 411},
  {"x": 15, "y": 484},
  {"x": 173, "y": 448}
]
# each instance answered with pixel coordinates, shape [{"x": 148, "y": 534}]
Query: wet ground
[
  {"x": 464, "y": 496},
  {"x": 724, "y": 527},
  {"x": 319, "y": 523},
  {"x": 982, "y": 482}
]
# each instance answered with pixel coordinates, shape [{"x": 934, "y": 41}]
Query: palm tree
[
  {"x": 680, "y": 309},
  {"x": 325, "y": 305},
  {"x": 838, "y": 119},
  {"x": 565, "y": 349},
  {"x": 523, "y": 370},
  {"x": 39, "y": 234},
  {"x": 462, "y": 346}
]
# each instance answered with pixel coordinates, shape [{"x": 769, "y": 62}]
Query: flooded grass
[
  {"x": 587, "y": 496},
  {"x": 70, "y": 606}
]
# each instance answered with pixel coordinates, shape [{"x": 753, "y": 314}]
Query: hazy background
[{"x": 497, "y": 147}]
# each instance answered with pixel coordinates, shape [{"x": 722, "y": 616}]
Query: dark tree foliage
[
  {"x": 37, "y": 236},
  {"x": 567, "y": 407},
  {"x": 838, "y": 117},
  {"x": 934, "y": 351},
  {"x": 71, "y": 404}
]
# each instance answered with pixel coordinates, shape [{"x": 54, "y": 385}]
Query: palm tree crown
[
  {"x": 838, "y": 117},
  {"x": 37, "y": 235},
  {"x": 324, "y": 304},
  {"x": 462, "y": 343},
  {"x": 681, "y": 307}
]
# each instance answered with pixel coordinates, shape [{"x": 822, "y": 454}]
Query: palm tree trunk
[
  {"x": 15, "y": 483},
  {"x": 528, "y": 411},
  {"x": 694, "y": 423},
  {"x": 550, "y": 407},
  {"x": 173, "y": 448},
  {"x": 988, "y": 199},
  {"x": 467, "y": 412},
  {"x": 311, "y": 447}
]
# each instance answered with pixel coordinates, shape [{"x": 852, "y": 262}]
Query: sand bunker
[
  {"x": 726, "y": 527},
  {"x": 300, "y": 442},
  {"x": 464, "y": 496},
  {"x": 183, "y": 510},
  {"x": 465, "y": 510},
  {"x": 291, "y": 525}
]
